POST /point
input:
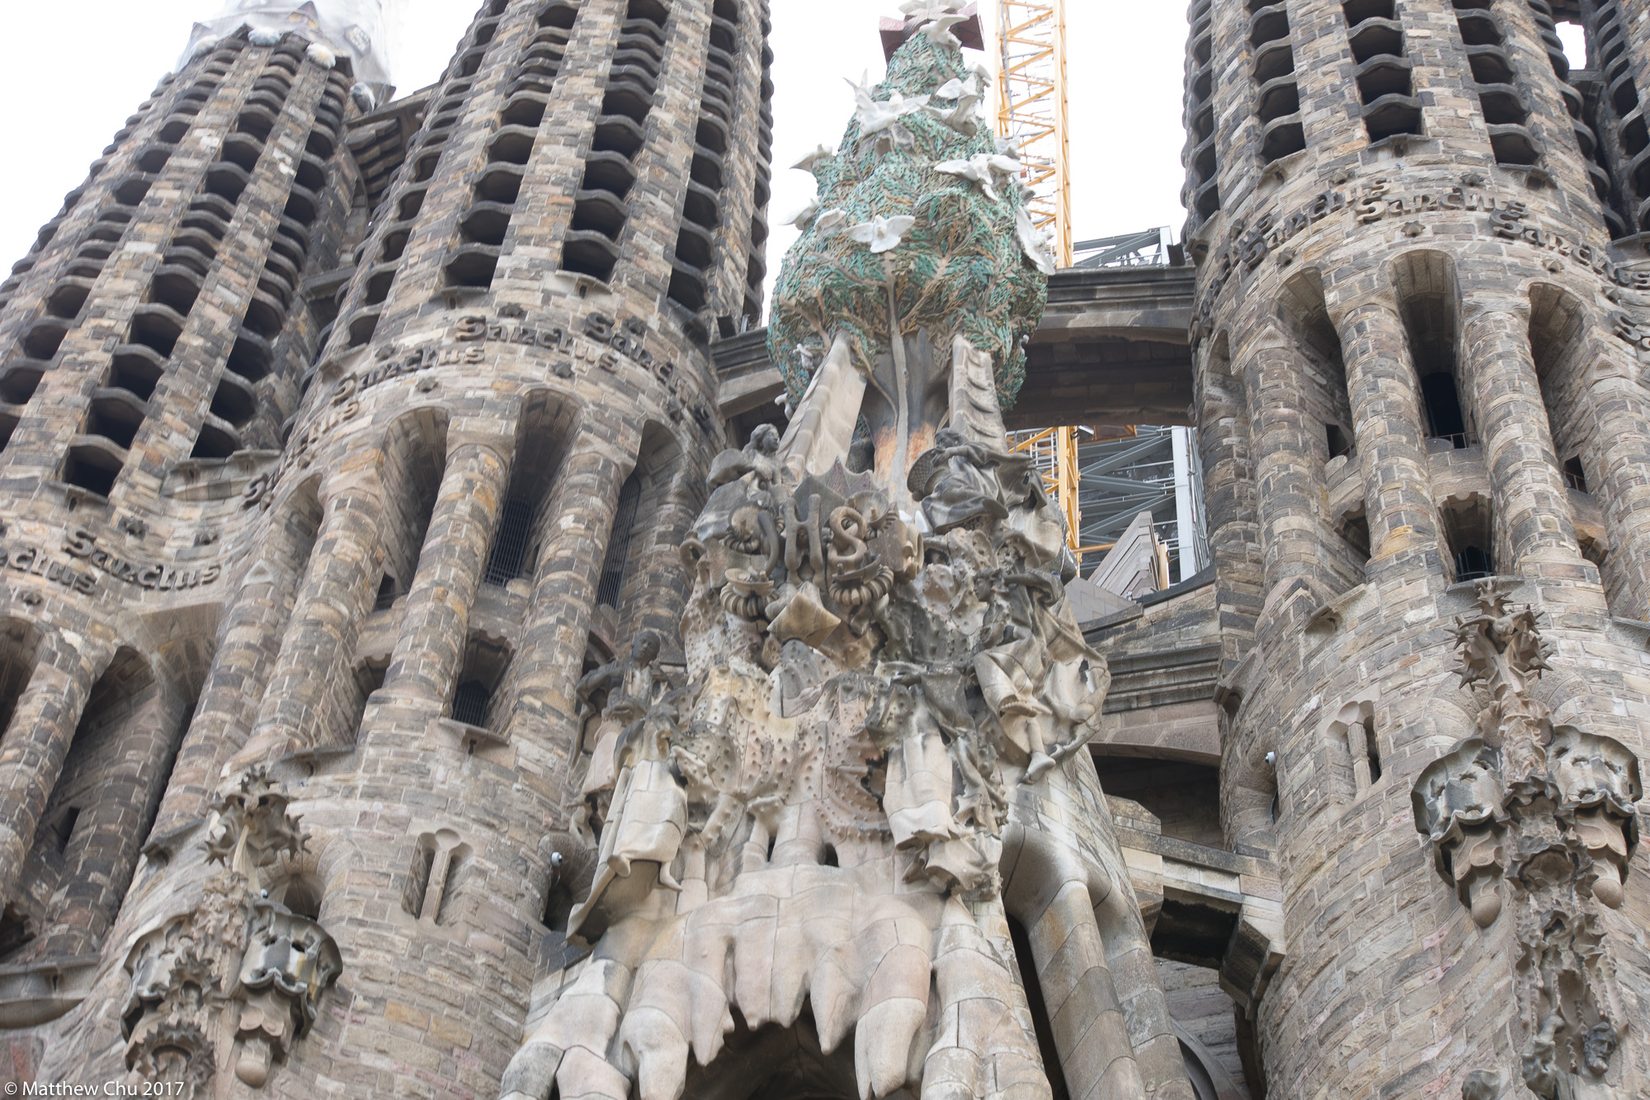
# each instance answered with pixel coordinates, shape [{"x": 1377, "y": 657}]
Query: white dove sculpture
[
  {"x": 982, "y": 168},
  {"x": 1034, "y": 242},
  {"x": 882, "y": 234},
  {"x": 811, "y": 162}
]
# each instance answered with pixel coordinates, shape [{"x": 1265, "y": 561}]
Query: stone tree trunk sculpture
[{"x": 804, "y": 833}]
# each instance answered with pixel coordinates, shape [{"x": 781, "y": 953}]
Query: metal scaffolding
[
  {"x": 1100, "y": 482},
  {"x": 1155, "y": 470},
  {"x": 1147, "y": 248}
]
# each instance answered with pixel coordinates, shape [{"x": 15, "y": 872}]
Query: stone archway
[{"x": 778, "y": 1063}]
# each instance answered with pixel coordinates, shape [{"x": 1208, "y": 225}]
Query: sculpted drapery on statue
[{"x": 806, "y": 830}]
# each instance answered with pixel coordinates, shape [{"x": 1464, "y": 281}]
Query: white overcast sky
[{"x": 72, "y": 70}]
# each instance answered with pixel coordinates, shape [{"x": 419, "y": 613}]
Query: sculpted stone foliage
[
  {"x": 1551, "y": 810},
  {"x": 231, "y": 984},
  {"x": 806, "y": 830}
]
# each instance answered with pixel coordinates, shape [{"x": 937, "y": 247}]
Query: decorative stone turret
[{"x": 1417, "y": 333}]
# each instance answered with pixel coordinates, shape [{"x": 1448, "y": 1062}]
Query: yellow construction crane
[
  {"x": 1032, "y": 106},
  {"x": 1031, "y": 112}
]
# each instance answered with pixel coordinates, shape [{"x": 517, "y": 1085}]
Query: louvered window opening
[
  {"x": 508, "y": 560},
  {"x": 471, "y": 702},
  {"x": 618, "y": 545}
]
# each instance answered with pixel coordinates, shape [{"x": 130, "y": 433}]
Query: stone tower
[
  {"x": 1420, "y": 313},
  {"x": 365, "y": 468},
  {"x": 153, "y": 340}
]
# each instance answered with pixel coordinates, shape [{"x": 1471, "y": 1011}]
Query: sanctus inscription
[{"x": 1380, "y": 200}]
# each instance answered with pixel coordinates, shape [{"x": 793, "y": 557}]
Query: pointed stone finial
[{"x": 340, "y": 28}]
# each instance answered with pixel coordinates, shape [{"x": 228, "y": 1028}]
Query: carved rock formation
[
  {"x": 1551, "y": 811},
  {"x": 232, "y": 983}
]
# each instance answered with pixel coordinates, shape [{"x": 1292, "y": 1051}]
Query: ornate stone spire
[{"x": 349, "y": 28}]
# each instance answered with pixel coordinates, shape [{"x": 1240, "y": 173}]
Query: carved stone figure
[
  {"x": 237, "y": 979},
  {"x": 876, "y": 659},
  {"x": 1551, "y": 811},
  {"x": 1458, "y": 806},
  {"x": 628, "y": 687},
  {"x": 1598, "y": 782}
]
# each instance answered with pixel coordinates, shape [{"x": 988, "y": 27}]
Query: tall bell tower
[{"x": 1419, "y": 318}]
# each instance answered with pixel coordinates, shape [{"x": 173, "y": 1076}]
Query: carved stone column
[
  {"x": 336, "y": 596},
  {"x": 1386, "y": 409},
  {"x": 1620, "y": 458},
  {"x": 434, "y": 621},
  {"x": 1531, "y": 506},
  {"x": 577, "y": 526},
  {"x": 240, "y": 666},
  {"x": 1288, "y": 478},
  {"x": 35, "y": 745}
]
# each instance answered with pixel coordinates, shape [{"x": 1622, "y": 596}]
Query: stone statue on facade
[
  {"x": 231, "y": 984},
  {"x": 878, "y": 654},
  {"x": 1550, "y": 811}
]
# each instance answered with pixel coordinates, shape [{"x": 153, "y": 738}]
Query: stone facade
[{"x": 420, "y": 655}]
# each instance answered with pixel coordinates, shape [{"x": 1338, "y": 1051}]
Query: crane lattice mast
[
  {"x": 1031, "y": 112},
  {"x": 1032, "y": 108}
]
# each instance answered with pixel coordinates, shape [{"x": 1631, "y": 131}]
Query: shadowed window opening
[
  {"x": 509, "y": 560},
  {"x": 1426, "y": 283},
  {"x": 460, "y": 866},
  {"x": 1469, "y": 537},
  {"x": 471, "y": 702},
  {"x": 1372, "y": 749},
  {"x": 90, "y": 469},
  {"x": 558, "y": 907},
  {"x": 1473, "y": 563},
  {"x": 302, "y": 897},
  {"x": 1574, "y": 476},
  {"x": 63, "y": 829},
  {"x": 485, "y": 664},
  {"x": 1355, "y": 532},
  {"x": 1443, "y": 410},
  {"x": 15, "y": 933},
  {"x": 418, "y": 876},
  {"x": 618, "y": 543}
]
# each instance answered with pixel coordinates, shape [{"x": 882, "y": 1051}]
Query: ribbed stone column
[
  {"x": 35, "y": 745},
  {"x": 1391, "y": 440},
  {"x": 429, "y": 650},
  {"x": 337, "y": 594},
  {"x": 577, "y": 529},
  {"x": 649, "y": 243},
  {"x": 656, "y": 603},
  {"x": 1531, "y": 506},
  {"x": 1618, "y": 454},
  {"x": 1085, "y": 1015},
  {"x": 1288, "y": 477},
  {"x": 248, "y": 644},
  {"x": 111, "y": 829}
]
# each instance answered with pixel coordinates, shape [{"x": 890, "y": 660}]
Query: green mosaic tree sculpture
[{"x": 920, "y": 232}]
